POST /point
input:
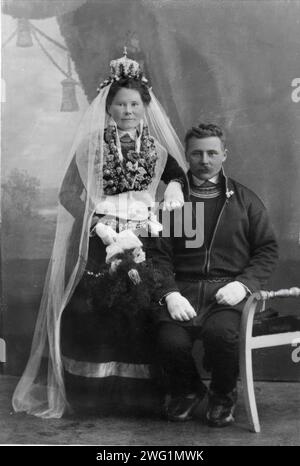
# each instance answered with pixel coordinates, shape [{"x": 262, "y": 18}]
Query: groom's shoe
[
  {"x": 221, "y": 408},
  {"x": 181, "y": 408}
]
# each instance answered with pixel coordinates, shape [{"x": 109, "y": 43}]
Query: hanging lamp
[{"x": 69, "y": 100}]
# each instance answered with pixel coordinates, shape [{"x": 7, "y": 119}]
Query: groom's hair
[{"x": 205, "y": 130}]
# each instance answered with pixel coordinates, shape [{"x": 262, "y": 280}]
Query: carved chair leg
[{"x": 246, "y": 373}]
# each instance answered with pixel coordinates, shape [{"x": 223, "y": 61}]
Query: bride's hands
[{"x": 106, "y": 233}]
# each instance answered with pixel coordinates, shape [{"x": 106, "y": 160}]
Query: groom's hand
[
  {"x": 231, "y": 294},
  {"x": 179, "y": 307}
]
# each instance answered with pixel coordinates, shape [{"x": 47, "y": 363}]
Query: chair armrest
[
  {"x": 251, "y": 306},
  {"x": 284, "y": 293}
]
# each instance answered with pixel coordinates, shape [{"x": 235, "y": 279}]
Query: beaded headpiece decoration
[{"x": 123, "y": 68}]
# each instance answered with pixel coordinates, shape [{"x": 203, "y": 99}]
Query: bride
[{"x": 87, "y": 350}]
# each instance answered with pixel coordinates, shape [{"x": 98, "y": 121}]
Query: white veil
[
  {"x": 161, "y": 128},
  {"x": 41, "y": 389}
]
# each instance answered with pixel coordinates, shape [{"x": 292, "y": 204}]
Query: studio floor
[{"x": 278, "y": 407}]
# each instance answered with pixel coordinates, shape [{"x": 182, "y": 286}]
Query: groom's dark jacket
[{"x": 243, "y": 246}]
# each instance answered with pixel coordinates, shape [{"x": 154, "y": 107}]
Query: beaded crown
[{"x": 124, "y": 67}]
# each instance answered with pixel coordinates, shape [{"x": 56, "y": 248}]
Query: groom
[{"x": 204, "y": 288}]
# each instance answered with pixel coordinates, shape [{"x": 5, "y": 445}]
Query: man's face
[{"x": 205, "y": 156}]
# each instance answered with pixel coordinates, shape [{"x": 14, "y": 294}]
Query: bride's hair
[{"x": 128, "y": 83}]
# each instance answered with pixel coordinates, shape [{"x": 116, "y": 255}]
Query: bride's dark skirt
[{"x": 108, "y": 357}]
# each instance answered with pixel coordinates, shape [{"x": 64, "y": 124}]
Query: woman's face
[{"x": 127, "y": 108}]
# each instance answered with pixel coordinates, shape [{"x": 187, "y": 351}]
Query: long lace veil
[{"x": 41, "y": 389}]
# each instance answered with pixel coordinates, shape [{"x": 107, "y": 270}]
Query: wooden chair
[{"x": 248, "y": 342}]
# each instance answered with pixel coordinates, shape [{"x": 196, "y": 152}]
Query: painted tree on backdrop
[{"x": 20, "y": 195}]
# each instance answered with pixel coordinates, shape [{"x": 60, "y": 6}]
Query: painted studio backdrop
[{"x": 236, "y": 63}]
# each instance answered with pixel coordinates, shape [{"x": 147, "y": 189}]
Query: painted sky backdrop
[{"x": 32, "y": 136}]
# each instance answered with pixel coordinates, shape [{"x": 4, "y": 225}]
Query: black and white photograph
[{"x": 150, "y": 226}]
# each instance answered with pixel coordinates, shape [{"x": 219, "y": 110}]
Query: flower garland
[{"x": 133, "y": 174}]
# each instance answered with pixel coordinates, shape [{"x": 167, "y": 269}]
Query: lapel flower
[{"x": 229, "y": 194}]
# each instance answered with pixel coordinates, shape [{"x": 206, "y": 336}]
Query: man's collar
[
  {"x": 198, "y": 182},
  {"x": 229, "y": 187}
]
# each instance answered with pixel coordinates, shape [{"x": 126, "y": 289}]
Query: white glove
[
  {"x": 121, "y": 242},
  {"x": 154, "y": 226},
  {"x": 232, "y": 293},
  {"x": 106, "y": 233},
  {"x": 179, "y": 307},
  {"x": 173, "y": 197}
]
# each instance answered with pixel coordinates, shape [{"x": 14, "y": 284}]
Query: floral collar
[
  {"x": 133, "y": 173},
  {"x": 131, "y": 133}
]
